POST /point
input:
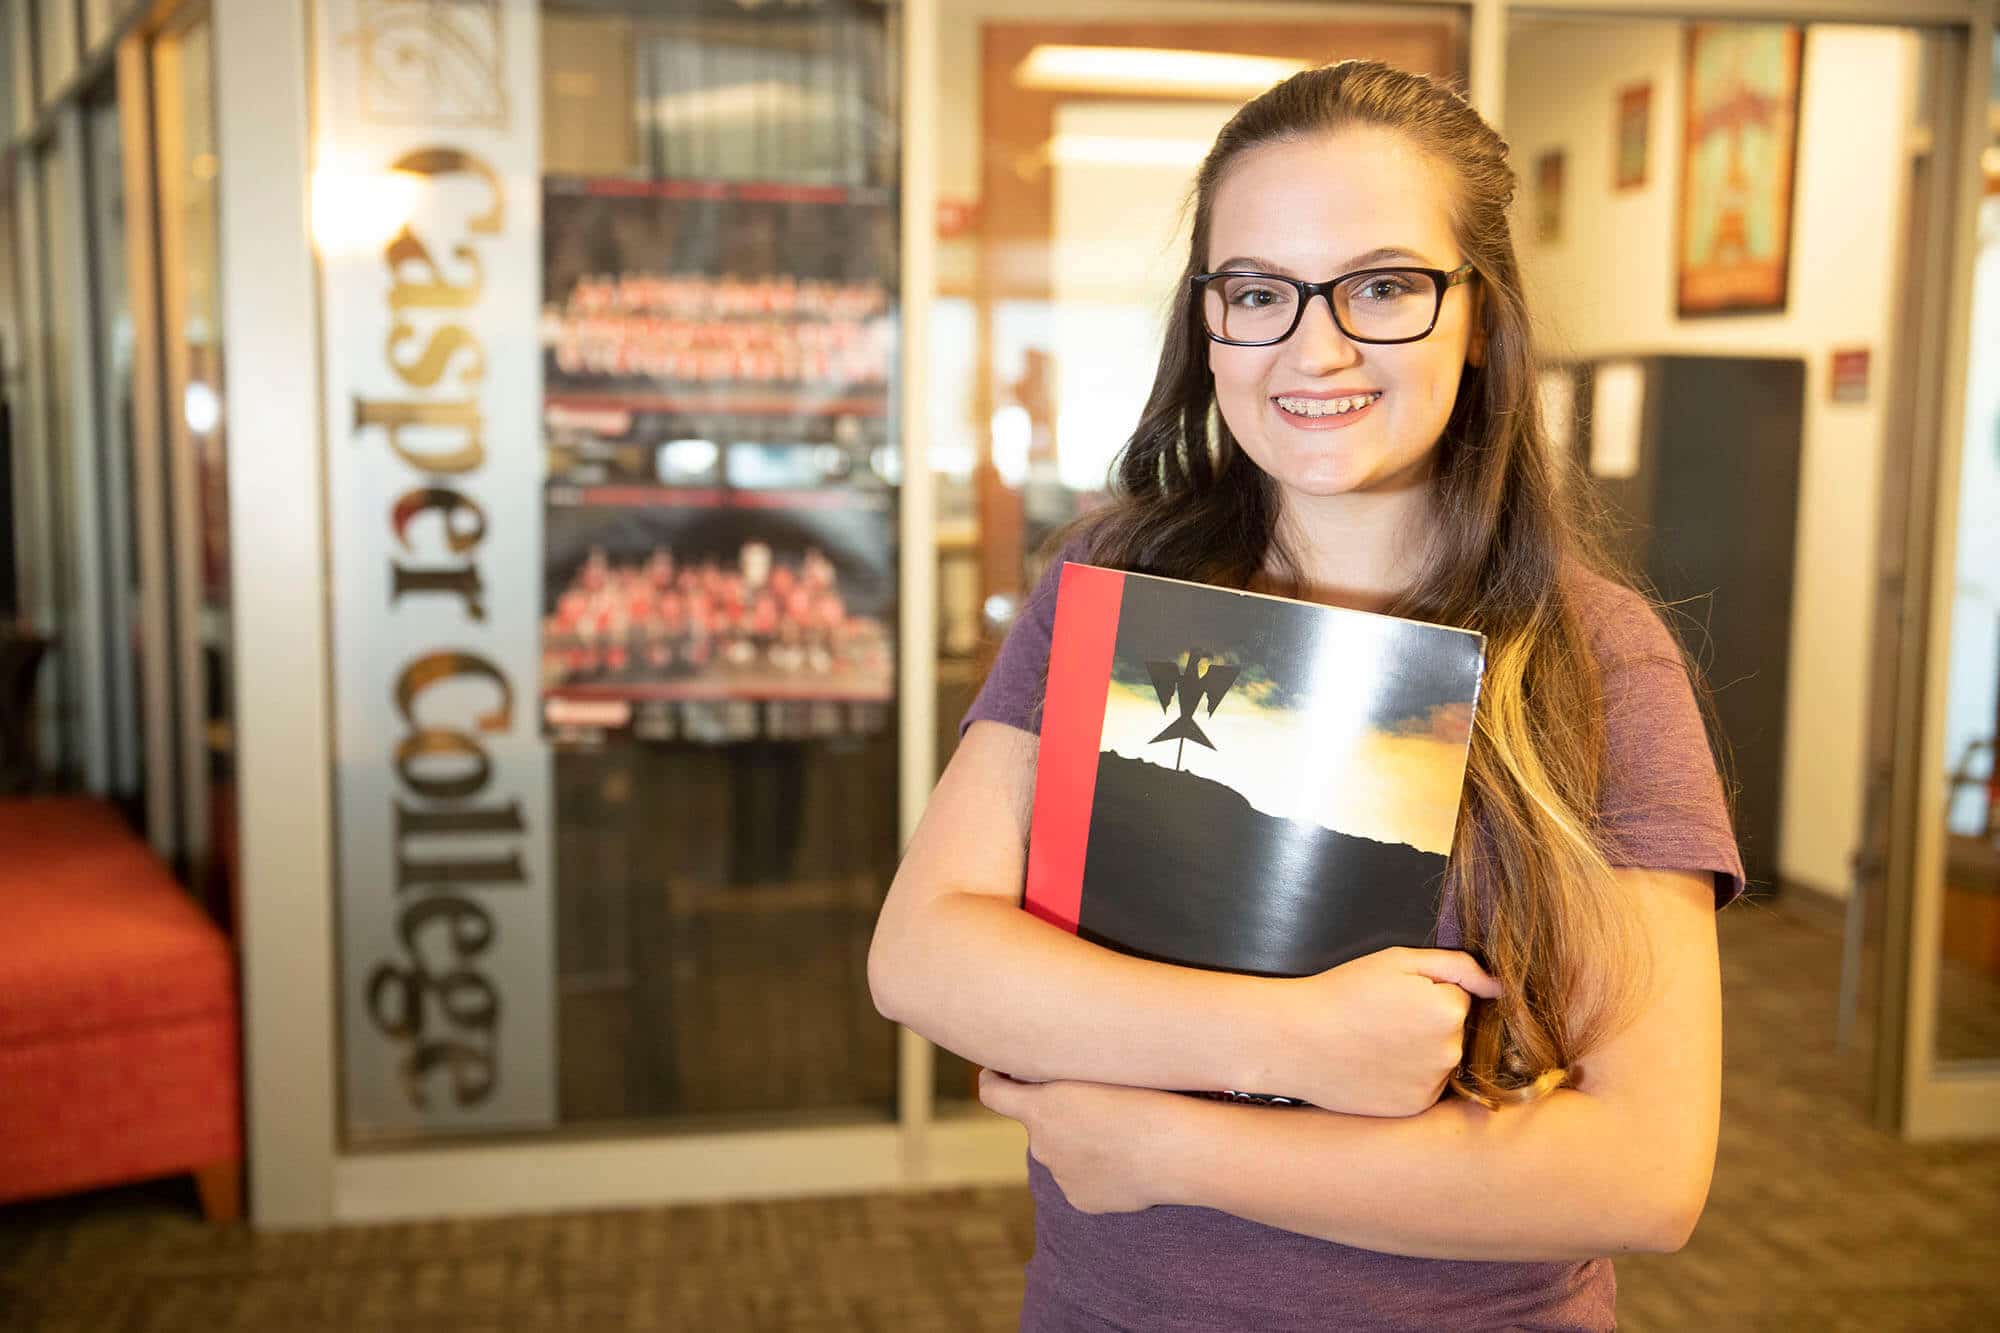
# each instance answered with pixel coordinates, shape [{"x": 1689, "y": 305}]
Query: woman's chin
[
  {"x": 1350, "y": 472},
  {"x": 1322, "y": 482}
]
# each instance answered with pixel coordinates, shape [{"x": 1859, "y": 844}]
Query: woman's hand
[
  {"x": 1107, "y": 1147},
  {"x": 1379, "y": 1035}
]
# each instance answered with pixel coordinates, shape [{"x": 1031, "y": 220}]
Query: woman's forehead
[{"x": 1311, "y": 205}]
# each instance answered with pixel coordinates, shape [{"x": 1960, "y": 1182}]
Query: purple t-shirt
[{"x": 1173, "y": 1268}]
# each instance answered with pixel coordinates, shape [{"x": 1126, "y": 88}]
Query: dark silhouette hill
[{"x": 1183, "y": 869}]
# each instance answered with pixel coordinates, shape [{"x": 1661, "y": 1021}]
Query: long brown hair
[{"x": 1533, "y": 893}]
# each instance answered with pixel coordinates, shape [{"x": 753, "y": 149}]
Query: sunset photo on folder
[{"x": 1238, "y": 781}]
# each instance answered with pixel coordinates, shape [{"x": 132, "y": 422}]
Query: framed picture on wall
[
  {"x": 1738, "y": 155},
  {"x": 1635, "y": 121},
  {"x": 1549, "y": 196}
]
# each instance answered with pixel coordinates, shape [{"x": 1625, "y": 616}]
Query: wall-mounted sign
[
  {"x": 1549, "y": 196},
  {"x": 956, "y": 218},
  {"x": 1847, "y": 381},
  {"x": 1617, "y": 420},
  {"x": 426, "y": 218},
  {"x": 1635, "y": 125}
]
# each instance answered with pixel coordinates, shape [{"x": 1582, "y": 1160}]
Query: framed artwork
[
  {"x": 1549, "y": 196},
  {"x": 1635, "y": 121},
  {"x": 1738, "y": 157}
]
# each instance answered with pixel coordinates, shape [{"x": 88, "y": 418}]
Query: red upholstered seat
[{"x": 118, "y": 1008}]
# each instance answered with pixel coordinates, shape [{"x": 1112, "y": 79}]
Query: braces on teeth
[{"x": 1322, "y": 407}]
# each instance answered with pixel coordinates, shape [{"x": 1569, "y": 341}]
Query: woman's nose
[{"x": 1317, "y": 344}]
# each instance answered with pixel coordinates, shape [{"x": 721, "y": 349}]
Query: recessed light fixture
[{"x": 1143, "y": 69}]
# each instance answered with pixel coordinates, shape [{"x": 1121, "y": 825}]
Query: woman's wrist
[
  {"x": 1258, "y": 1048},
  {"x": 1184, "y": 1138},
  {"x": 1197, "y": 1146}
]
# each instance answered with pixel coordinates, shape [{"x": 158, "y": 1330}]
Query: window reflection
[{"x": 717, "y": 646}]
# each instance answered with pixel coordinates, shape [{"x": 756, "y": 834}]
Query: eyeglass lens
[{"x": 1385, "y": 305}]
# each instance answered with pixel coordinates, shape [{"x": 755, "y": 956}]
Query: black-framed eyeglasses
[{"x": 1370, "y": 305}]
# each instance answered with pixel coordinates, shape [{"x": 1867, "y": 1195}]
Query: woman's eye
[
  {"x": 1385, "y": 289},
  {"x": 1255, "y": 297}
]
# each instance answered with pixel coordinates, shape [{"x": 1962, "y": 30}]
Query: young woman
[{"x": 1345, "y": 410}]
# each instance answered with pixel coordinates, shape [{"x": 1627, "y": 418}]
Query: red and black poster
[
  {"x": 720, "y": 521},
  {"x": 1241, "y": 782}
]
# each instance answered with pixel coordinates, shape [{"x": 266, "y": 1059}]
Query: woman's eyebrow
[{"x": 1374, "y": 256}]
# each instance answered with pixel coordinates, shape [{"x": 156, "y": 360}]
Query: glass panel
[
  {"x": 111, "y": 330},
  {"x": 189, "y": 182},
  {"x": 64, "y": 677},
  {"x": 670, "y": 538},
  {"x": 13, "y": 93},
  {"x": 38, "y": 728},
  {"x": 56, "y": 41},
  {"x": 719, "y": 552},
  {"x": 98, "y": 17},
  {"x": 1968, "y": 995},
  {"x": 13, "y": 500},
  {"x": 1060, "y": 242}
]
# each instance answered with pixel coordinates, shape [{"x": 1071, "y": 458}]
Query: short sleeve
[
  {"x": 1013, "y": 689},
  {"x": 1662, "y": 805}
]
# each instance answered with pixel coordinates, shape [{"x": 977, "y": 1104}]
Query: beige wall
[{"x": 1607, "y": 287}]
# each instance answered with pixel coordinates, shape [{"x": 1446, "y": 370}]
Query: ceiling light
[{"x": 1140, "y": 69}]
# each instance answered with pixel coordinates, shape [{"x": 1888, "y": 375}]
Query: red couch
[{"x": 118, "y": 1013}]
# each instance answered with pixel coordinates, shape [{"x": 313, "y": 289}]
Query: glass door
[{"x": 1951, "y": 1055}]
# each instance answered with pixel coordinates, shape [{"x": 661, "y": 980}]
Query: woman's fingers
[
  {"x": 998, "y": 1093},
  {"x": 1457, "y": 968}
]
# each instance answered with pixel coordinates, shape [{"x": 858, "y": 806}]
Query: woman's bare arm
[
  {"x": 955, "y": 957},
  {"x": 1622, "y": 1162}
]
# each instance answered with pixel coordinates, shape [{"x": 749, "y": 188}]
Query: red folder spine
[{"x": 1086, "y": 632}]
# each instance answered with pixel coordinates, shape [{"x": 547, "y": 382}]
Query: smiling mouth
[{"x": 1325, "y": 407}]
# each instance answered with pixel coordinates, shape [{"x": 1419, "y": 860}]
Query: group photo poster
[{"x": 720, "y": 519}]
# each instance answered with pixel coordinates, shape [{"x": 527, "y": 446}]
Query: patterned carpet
[{"x": 1816, "y": 1221}]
